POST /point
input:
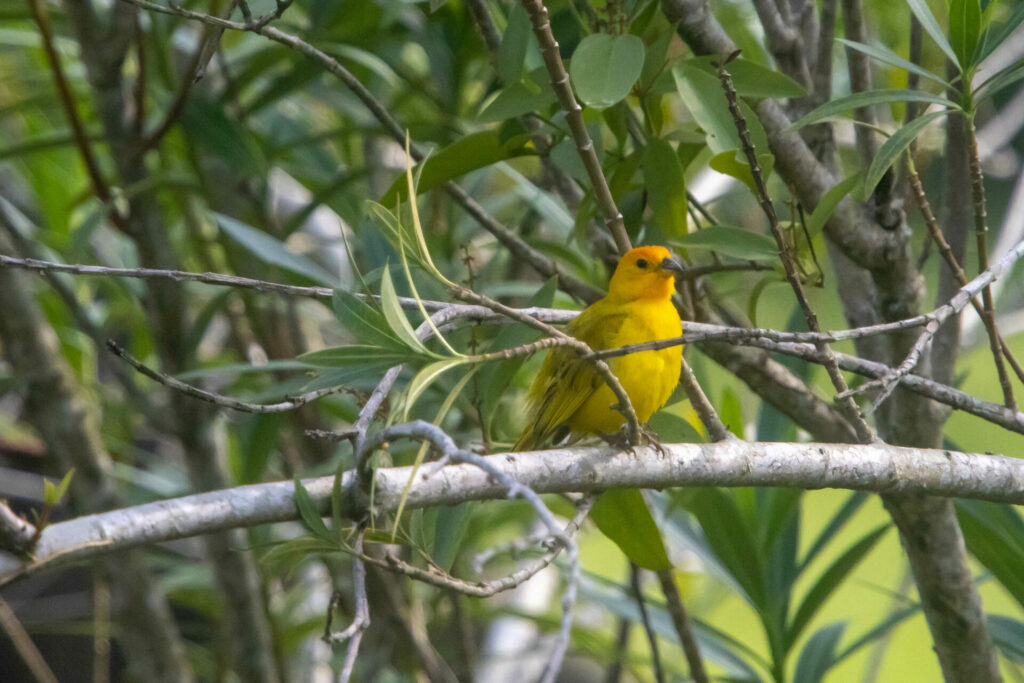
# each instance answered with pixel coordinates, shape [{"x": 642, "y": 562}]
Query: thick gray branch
[{"x": 876, "y": 467}]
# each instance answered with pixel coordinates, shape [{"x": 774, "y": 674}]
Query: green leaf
[
  {"x": 702, "y": 94},
  {"x": 424, "y": 378},
  {"x": 623, "y": 517},
  {"x": 272, "y": 251},
  {"x": 964, "y": 29},
  {"x": 367, "y": 324},
  {"x": 1002, "y": 79},
  {"x": 728, "y": 536},
  {"x": 828, "y": 203},
  {"x": 876, "y": 633},
  {"x": 884, "y": 54},
  {"x": 752, "y": 79},
  {"x": 469, "y": 153},
  {"x": 1007, "y": 635},
  {"x": 995, "y": 38},
  {"x": 734, "y": 163},
  {"x": 839, "y": 519},
  {"x": 994, "y": 534},
  {"x": 931, "y": 26},
  {"x": 514, "y": 42},
  {"x": 357, "y": 354},
  {"x": 830, "y": 580},
  {"x": 819, "y": 654},
  {"x": 734, "y": 242},
  {"x": 208, "y": 127},
  {"x": 450, "y": 526},
  {"x": 671, "y": 428},
  {"x": 892, "y": 148},
  {"x": 666, "y": 187},
  {"x": 495, "y": 377},
  {"x": 605, "y": 67},
  {"x": 309, "y": 514},
  {"x": 61, "y": 489},
  {"x": 395, "y": 316},
  {"x": 517, "y": 99},
  {"x": 866, "y": 99}
]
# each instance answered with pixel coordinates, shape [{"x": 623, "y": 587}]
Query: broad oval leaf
[
  {"x": 666, "y": 187},
  {"x": 702, "y": 94},
  {"x": 752, "y": 79},
  {"x": 517, "y": 99},
  {"x": 866, "y": 99},
  {"x": 605, "y": 67},
  {"x": 622, "y": 516},
  {"x": 892, "y": 148},
  {"x": 734, "y": 242}
]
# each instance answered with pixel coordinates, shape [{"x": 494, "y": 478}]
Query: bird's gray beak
[{"x": 672, "y": 265}]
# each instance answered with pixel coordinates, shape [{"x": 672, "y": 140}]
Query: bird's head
[{"x": 645, "y": 273}]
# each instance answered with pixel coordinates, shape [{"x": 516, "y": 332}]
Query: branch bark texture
[{"x": 867, "y": 467}]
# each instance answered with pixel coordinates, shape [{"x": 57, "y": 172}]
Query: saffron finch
[{"x": 569, "y": 396}]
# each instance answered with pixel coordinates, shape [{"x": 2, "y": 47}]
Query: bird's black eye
[{"x": 641, "y": 263}]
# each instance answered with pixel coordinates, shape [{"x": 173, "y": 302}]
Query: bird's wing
[{"x": 565, "y": 382}]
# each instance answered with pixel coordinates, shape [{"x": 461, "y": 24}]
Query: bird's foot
[{"x": 648, "y": 437}]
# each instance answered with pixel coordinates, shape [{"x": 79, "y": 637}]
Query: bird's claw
[{"x": 621, "y": 440}]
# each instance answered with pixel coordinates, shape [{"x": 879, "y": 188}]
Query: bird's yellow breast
[{"x": 648, "y": 377}]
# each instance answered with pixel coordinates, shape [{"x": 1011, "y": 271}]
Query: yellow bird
[{"x": 569, "y": 396}]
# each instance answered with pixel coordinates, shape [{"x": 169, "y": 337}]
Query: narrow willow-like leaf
[
  {"x": 828, "y": 203},
  {"x": 867, "y": 98},
  {"x": 931, "y": 25},
  {"x": 892, "y": 148},
  {"x": 884, "y": 54},
  {"x": 819, "y": 654},
  {"x": 421, "y": 454},
  {"x": 309, "y": 514},
  {"x": 424, "y": 378},
  {"x": 830, "y": 580},
  {"x": 964, "y": 29},
  {"x": 395, "y": 316}
]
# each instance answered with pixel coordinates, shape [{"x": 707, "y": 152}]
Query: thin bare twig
[
  {"x": 864, "y": 431},
  {"x": 946, "y": 251},
  {"x": 574, "y": 117},
  {"x": 684, "y": 628},
  {"x": 645, "y": 620},
  {"x": 353, "y": 634},
  {"x": 67, "y": 99},
  {"x": 217, "y": 399},
  {"x": 978, "y": 191},
  {"x": 485, "y": 589},
  {"x": 699, "y": 400},
  {"x": 24, "y": 646}
]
